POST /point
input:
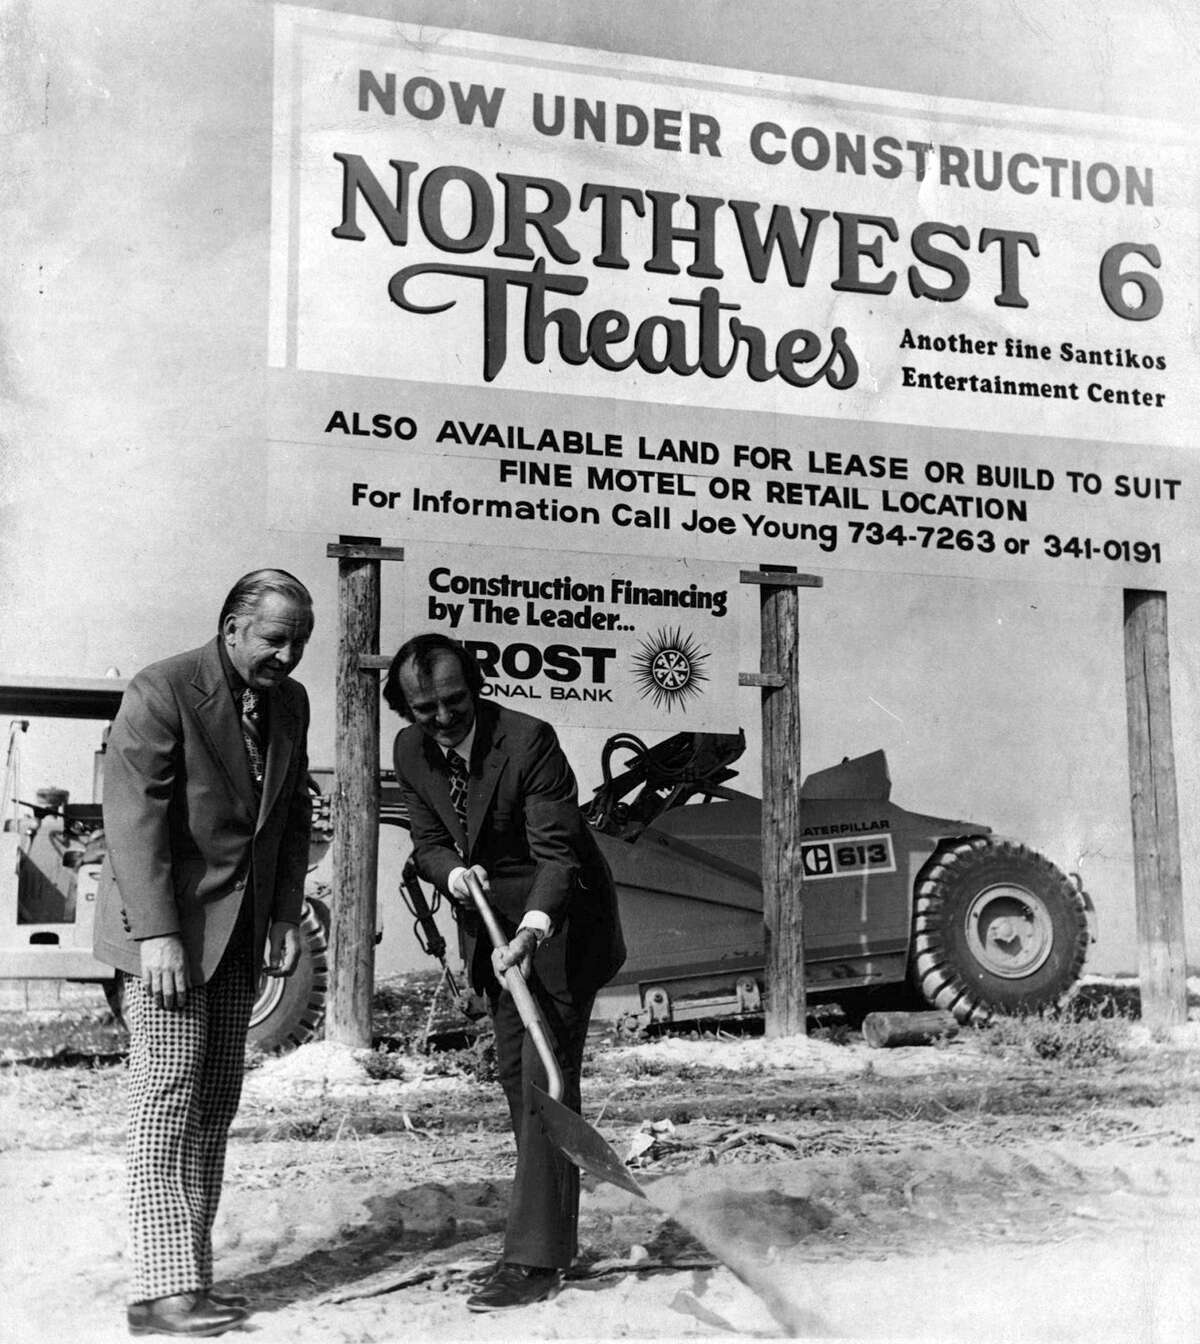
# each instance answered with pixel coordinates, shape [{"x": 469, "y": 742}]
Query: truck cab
[{"x": 51, "y": 845}]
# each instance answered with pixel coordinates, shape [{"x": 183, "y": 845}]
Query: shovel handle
[{"x": 514, "y": 982}]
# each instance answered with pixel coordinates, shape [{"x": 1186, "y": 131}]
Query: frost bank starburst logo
[{"x": 668, "y": 668}]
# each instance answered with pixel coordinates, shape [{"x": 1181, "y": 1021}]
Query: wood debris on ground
[
  {"x": 663, "y": 1145},
  {"x": 438, "y": 1274}
]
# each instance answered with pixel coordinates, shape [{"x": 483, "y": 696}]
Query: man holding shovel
[{"x": 491, "y": 797}]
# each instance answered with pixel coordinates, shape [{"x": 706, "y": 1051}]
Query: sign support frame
[
  {"x": 1154, "y": 810},
  {"x": 356, "y": 790},
  {"x": 782, "y": 875}
]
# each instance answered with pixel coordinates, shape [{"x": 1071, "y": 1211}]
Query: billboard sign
[{"x": 540, "y": 297}]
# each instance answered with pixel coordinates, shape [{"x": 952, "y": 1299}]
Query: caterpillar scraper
[{"x": 974, "y": 923}]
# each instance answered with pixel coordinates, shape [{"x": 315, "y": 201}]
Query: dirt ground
[{"x": 1031, "y": 1190}]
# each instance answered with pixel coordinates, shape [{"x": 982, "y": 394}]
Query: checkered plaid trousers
[{"x": 184, "y": 1084}]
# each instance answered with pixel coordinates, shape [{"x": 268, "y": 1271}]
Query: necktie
[
  {"x": 458, "y": 786},
  {"x": 252, "y": 734}
]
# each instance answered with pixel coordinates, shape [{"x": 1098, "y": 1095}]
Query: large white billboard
[{"x": 538, "y": 297}]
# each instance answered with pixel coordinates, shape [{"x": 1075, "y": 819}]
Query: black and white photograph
[{"x": 600, "y": 671}]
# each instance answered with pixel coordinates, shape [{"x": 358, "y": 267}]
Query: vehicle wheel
[
  {"x": 290, "y": 1010},
  {"x": 997, "y": 929}
]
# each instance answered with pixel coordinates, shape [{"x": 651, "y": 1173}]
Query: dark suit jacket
[
  {"x": 525, "y": 829},
  {"x": 184, "y": 832}
]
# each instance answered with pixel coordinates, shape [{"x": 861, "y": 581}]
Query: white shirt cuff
[{"x": 539, "y": 922}]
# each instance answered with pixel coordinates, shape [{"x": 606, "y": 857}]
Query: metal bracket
[
  {"x": 780, "y": 578},
  {"x": 357, "y": 550},
  {"x": 749, "y": 996},
  {"x": 658, "y": 1003}
]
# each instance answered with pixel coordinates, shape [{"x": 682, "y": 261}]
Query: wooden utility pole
[
  {"x": 1158, "y": 884},
  {"x": 356, "y": 790},
  {"x": 783, "y": 911}
]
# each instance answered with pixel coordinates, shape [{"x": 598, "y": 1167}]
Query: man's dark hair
[
  {"x": 423, "y": 651},
  {"x": 248, "y": 592}
]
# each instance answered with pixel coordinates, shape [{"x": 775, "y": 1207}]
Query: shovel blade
[{"x": 576, "y": 1139}]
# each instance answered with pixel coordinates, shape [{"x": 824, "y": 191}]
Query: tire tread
[{"x": 937, "y": 893}]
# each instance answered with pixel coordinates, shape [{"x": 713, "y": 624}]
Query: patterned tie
[
  {"x": 252, "y": 734},
  {"x": 458, "y": 786}
]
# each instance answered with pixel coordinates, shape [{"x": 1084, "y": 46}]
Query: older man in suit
[
  {"x": 206, "y": 817},
  {"x": 488, "y": 790}
]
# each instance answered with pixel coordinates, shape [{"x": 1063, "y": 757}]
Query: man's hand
[
  {"x": 164, "y": 970},
  {"x": 518, "y": 953},
  {"x": 458, "y": 884},
  {"x": 284, "y": 951}
]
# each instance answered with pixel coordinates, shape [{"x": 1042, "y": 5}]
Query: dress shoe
[
  {"x": 226, "y": 1299},
  {"x": 485, "y": 1273},
  {"x": 514, "y": 1285},
  {"x": 190, "y": 1314}
]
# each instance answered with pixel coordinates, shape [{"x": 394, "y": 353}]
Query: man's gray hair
[{"x": 250, "y": 589}]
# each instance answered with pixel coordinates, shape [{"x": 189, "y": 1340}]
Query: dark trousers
[
  {"x": 184, "y": 1085},
  {"x": 543, "y": 1215}
]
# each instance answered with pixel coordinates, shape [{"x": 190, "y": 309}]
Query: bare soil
[{"x": 970, "y": 1191}]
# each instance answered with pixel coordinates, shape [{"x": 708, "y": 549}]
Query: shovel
[
  {"x": 576, "y": 1139},
  {"x": 570, "y": 1133},
  {"x": 514, "y": 982}
]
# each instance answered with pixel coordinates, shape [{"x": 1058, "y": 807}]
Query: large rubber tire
[
  {"x": 290, "y": 1011},
  {"x": 998, "y": 929}
]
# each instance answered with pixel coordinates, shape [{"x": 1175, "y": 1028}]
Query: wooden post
[
  {"x": 783, "y": 915},
  {"x": 1158, "y": 885},
  {"x": 355, "y": 793}
]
